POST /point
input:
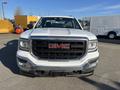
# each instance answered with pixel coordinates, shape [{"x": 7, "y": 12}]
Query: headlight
[
  {"x": 93, "y": 45},
  {"x": 24, "y": 44}
]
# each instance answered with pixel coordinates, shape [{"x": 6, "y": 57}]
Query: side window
[{"x": 76, "y": 24}]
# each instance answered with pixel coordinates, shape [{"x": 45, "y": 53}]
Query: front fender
[{"x": 26, "y": 34}]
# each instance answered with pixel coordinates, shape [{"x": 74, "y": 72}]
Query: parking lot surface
[{"x": 106, "y": 77}]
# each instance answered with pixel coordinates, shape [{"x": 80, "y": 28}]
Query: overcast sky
[{"x": 77, "y": 8}]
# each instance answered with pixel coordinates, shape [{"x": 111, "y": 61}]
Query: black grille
[{"x": 41, "y": 49}]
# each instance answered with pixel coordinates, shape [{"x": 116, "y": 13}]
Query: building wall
[
  {"x": 24, "y": 20},
  {"x": 21, "y": 20},
  {"x": 32, "y": 19}
]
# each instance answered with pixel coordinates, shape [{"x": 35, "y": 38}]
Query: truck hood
[{"x": 61, "y": 32}]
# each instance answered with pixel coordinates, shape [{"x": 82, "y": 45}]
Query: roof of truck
[{"x": 60, "y": 16}]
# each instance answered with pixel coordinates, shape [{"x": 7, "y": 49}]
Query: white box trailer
[{"x": 105, "y": 25}]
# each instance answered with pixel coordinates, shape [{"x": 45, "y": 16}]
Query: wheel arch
[{"x": 113, "y": 32}]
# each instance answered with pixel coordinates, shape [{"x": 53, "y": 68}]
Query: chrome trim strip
[{"x": 57, "y": 38}]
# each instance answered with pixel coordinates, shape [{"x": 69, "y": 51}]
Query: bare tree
[{"x": 18, "y": 11}]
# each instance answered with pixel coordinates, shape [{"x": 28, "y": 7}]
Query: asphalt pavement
[{"x": 106, "y": 77}]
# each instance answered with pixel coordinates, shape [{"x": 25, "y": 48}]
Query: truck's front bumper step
[{"x": 55, "y": 74}]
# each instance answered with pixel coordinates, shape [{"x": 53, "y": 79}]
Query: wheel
[{"x": 112, "y": 35}]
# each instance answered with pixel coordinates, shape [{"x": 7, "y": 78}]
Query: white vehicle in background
[
  {"x": 57, "y": 44},
  {"x": 105, "y": 26}
]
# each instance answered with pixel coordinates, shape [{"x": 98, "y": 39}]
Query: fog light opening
[{"x": 22, "y": 61}]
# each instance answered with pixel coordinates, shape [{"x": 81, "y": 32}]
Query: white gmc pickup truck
[{"x": 57, "y": 44}]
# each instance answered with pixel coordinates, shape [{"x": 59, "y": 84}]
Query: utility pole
[{"x": 3, "y": 13}]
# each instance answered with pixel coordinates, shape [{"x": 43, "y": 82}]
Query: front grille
[{"x": 40, "y": 48}]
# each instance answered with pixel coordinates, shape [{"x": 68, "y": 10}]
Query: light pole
[{"x": 3, "y": 13}]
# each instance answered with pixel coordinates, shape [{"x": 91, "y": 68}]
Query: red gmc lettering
[{"x": 59, "y": 46}]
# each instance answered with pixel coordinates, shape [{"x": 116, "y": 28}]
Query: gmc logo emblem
[{"x": 58, "y": 46}]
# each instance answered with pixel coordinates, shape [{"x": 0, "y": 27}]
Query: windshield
[{"x": 57, "y": 22}]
